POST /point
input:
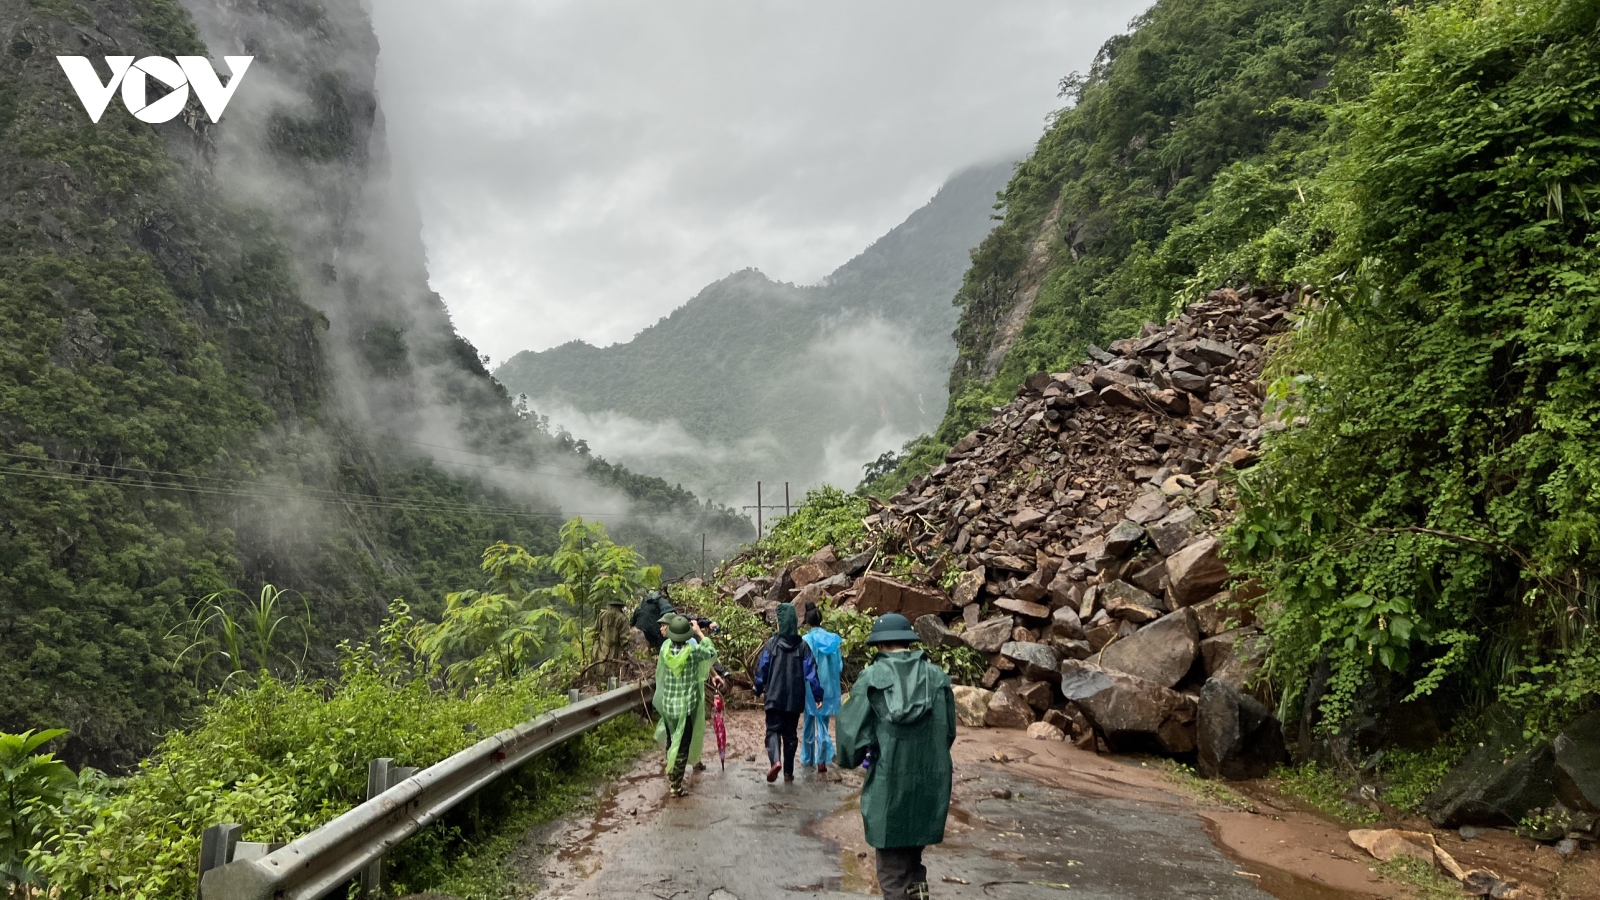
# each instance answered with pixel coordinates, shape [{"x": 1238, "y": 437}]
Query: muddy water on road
[{"x": 1029, "y": 820}]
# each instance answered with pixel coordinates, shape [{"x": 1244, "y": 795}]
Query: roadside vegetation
[{"x": 281, "y": 754}]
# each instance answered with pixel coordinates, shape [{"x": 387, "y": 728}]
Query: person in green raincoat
[
  {"x": 712, "y": 671},
  {"x": 680, "y": 692},
  {"x": 900, "y": 716}
]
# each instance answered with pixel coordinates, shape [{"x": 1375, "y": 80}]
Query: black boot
[{"x": 917, "y": 891}]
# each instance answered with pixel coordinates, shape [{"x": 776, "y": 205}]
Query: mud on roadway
[{"x": 1029, "y": 819}]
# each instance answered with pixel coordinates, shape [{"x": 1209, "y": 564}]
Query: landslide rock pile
[{"x": 1082, "y": 521}]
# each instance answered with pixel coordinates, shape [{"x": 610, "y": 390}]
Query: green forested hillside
[
  {"x": 198, "y": 391},
  {"x": 772, "y": 379},
  {"x": 1424, "y": 521}
]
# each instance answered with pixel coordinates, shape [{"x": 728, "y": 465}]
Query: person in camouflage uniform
[
  {"x": 680, "y": 692},
  {"x": 611, "y": 637}
]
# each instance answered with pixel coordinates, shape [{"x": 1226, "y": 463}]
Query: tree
[
  {"x": 593, "y": 572},
  {"x": 30, "y": 784}
]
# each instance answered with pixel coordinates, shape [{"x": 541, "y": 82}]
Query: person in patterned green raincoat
[{"x": 680, "y": 692}]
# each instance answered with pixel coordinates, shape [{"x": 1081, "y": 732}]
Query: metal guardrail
[{"x": 313, "y": 865}]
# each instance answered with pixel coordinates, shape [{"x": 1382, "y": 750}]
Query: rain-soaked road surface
[{"x": 1016, "y": 831}]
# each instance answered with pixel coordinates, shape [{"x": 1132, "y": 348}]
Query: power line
[{"x": 331, "y": 498}]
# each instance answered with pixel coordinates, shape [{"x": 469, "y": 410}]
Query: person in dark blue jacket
[{"x": 784, "y": 671}]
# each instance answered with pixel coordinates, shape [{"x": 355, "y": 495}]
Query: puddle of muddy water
[{"x": 1278, "y": 882}]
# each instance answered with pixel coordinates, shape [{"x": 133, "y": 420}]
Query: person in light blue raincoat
[{"x": 816, "y": 745}]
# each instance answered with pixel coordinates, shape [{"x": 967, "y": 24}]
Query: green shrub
[{"x": 1432, "y": 512}]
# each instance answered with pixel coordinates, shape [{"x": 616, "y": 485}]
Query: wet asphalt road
[{"x": 738, "y": 838}]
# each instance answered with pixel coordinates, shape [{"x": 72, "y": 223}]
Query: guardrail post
[
  {"x": 216, "y": 849},
  {"x": 573, "y": 695},
  {"x": 378, "y": 772}
]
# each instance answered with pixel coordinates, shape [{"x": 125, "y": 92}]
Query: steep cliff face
[
  {"x": 221, "y": 365},
  {"x": 755, "y": 379}
]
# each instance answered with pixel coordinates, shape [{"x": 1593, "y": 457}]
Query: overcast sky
[{"x": 585, "y": 166}]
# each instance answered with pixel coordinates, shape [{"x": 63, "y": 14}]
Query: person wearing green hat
[
  {"x": 680, "y": 692},
  {"x": 901, "y": 714}
]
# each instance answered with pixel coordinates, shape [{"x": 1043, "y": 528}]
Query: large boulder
[
  {"x": 1023, "y": 608},
  {"x": 1238, "y": 736},
  {"x": 1038, "y": 694},
  {"x": 935, "y": 633},
  {"x": 1577, "y": 753},
  {"x": 1036, "y": 661},
  {"x": 1122, "y": 538},
  {"x": 1065, "y": 624},
  {"x": 1235, "y": 657},
  {"x": 1132, "y": 714},
  {"x": 1007, "y": 709},
  {"x": 1218, "y": 613},
  {"x": 1163, "y": 651},
  {"x": 1129, "y": 603},
  {"x": 968, "y": 586},
  {"x": 881, "y": 594},
  {"x": 1195, "y": 572},
  {"x": 990, "y": 635},
  {"x": 972, "y": 705},
  {"x": 1499, "y": 782}
]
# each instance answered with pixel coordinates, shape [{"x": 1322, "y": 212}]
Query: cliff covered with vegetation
[{"x": 221, "y": 366}]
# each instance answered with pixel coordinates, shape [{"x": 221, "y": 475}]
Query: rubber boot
[{"x": 917, "y": 891}]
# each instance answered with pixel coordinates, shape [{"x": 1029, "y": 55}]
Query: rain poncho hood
[
  {"x": 907, "y": 685},
  {"x": 825, "y": 650},
  {"x": 788, "y": 621},
  {"x": 786, "y": 668},
  {"x": 901, "y": 714}
]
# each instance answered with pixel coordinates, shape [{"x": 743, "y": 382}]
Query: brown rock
[
  {"x": 1010, "y": 563},
  {"x": 1038, "y": 694},
  {"x": 1122, "y": 538},
  {"x": 991, "y": 679},
  {"x": 1130, "y": 604},
  {"x": 1216, "y": 614},
  {"x": 1121, "y": 395},
  {"x": 881, "y": 594},
  {"x": 935, "y": 633},
  {"x": 1195, "y": 572},
  {"x": 1044, "y": 731},
  {"x": 1007, "y": 709},
  {"x": 1033, "y": 588},
  {"x": 1023, "y": 608},
  {"x": 1242, "y": 458},
  {"x": 972, "y": 705},
  {"x": 1148, "y": 508},
  {"x": 968, "y": 586},
  {"x": 1163, "y": 651},
  {"x": 1064, "y": 623},
  {"x": 1171, "y": 402},
  {"x": 1036, "y": 661},
  {"x": 1169, "y": 539},
  {"x": 1027, "y": 519},
  {"x": 1064, "y": 590},
  {"x": 1131, "y": 713},
  {"x": 1100, "y": 635},
  {"x": 809, "y": 573},
  {"x": 989, "y": 636}
]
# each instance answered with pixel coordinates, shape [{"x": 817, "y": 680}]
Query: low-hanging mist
[{"x": 756, "y": 380}]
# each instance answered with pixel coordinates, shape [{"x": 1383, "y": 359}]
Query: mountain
[
  {"x": 754, "y": 379},
  {"x": 1420, "y": 525},
  {"x": 221, "y": 366}
]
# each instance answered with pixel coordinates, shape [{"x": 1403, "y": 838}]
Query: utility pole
[
  {"x": 761, "y": 508},
  {"x": 702, "y": 556}
]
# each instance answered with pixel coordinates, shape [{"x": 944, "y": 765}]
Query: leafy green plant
[
  {"x": 1325, "y": 790},
  {"x": 32, "y": 786},
  {"x": 827, "y": 516},
  {"x": 247, "y": 639},
  {"x": 964, "y": 664},
  {"x": 593, "y": 571},
  {"x": 1429, "y": 517}
]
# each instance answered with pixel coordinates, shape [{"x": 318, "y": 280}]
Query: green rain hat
[
  {"x": 892, "y": 628},
  {"x": 678, "y": 630},
  {"x": 615, "y": 603}
]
